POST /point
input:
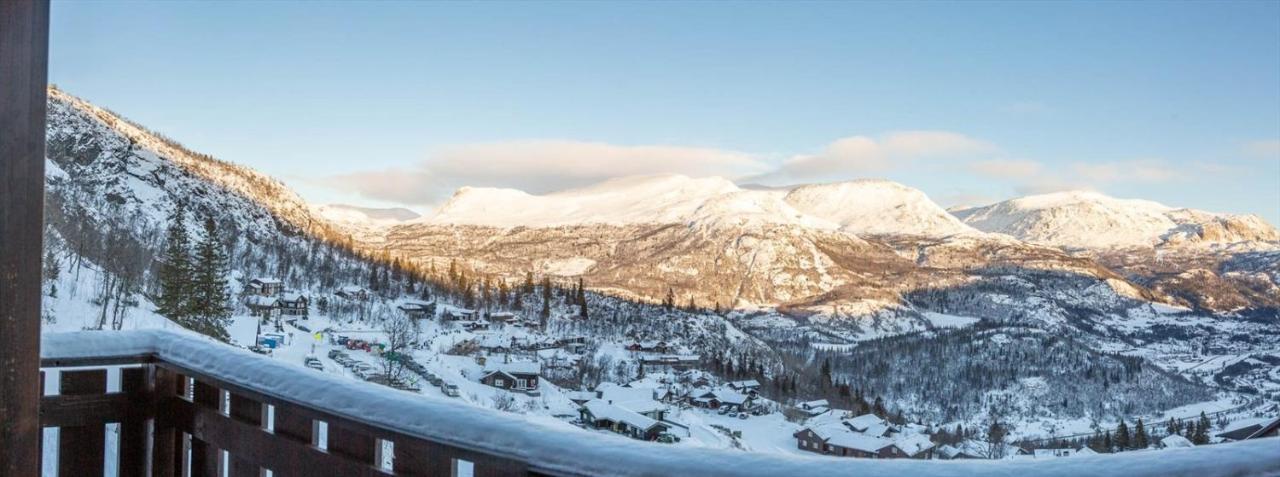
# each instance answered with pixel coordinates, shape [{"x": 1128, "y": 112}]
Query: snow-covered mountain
[{"x": 1082, "y": 219}]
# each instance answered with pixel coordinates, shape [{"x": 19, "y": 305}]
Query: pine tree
[
  {"x": 995, "y": 437},
  {"x": 670, "y": 302},
  {"x": 1122, "y": 436},
  {"x": 175, "y": 269},
  {"x": 1107, "y": 442},
  {"x": 210, "y": 314},
  {"x": 1201, "y": 436},
  {"x": 1140, "y": 436},
  {"x": 528, "y": 283}
]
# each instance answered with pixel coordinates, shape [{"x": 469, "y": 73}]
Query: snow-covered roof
[
  {"x": 554, "y": 449},
  {"x": 292, "y": 296},
  {"x": 266, "y": 281},
  {"x": 815, "y": 404},
  {"x": 1174, "y": 440},
  {"x": 914, "y": 444},
  {"x": 262, "y": 301},
  {"x": 836, "y": 434},
  {"x": 637, "y": 399},
  {"x": 868, "y": 423},
  {"x": 726, "y": 395},
  {"x": 750, "y": 383},
  {"x": 604, "y": 411},
  {"x": 351, "y": 289},
  {"x": 514, "y": 367}
]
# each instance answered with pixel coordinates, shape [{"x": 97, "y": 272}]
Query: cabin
[
  {"x": 670, "y": 362},
  {"x": 417, "y": 309},
  {"x": 294, "y": 304},
  {"x": 263, "y": 306},
  {"x": 649, "y": 346},
  {"x": 749, "y": 387},
  {"x": 459, "y": 314},
  {"x": 352, "y": 292},
  {"x": 504, "y": 317},
  {"x": 266, "y": 286},
  {"x": 512, "y": 376},
  {"x": 598, "y": 414},
  {"x": 640, "y": 400},
  {"x": 480, "y": 325},
  {"x": 814, "y": 408},
  {"x": 870, "y": 424}
]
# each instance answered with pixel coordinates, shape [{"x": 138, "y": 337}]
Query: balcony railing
[{"x": 188, "y": 403}]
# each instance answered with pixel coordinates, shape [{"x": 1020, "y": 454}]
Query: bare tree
[{"x": 402, "y": 334}]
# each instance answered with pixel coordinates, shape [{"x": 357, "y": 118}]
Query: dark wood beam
[{"x": 24, "y": 44}]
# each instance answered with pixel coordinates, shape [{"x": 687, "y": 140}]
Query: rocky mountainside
[
  {"x": 112, "y": 186},
  {"x": 1219, "y": 262}
]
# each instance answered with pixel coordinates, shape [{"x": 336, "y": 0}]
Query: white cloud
[
  {"x": 539, "y": 166},
  {"x": 1266, "y": 149},
  {"x": 862, "y": 154},
  {"x": 1006, "y": 168},
  {"x": 1142, "y": 170}
]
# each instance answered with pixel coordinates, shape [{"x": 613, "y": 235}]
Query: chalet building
[
  {"x": 266, "y": 286},
  {"x": 263, "y": 306},
  {"x": 417, "y": 309},
  {"x": 294, "y": 304},
  {"x": 504, "y": 317},
  {"x": 480, "y": 325},
  {"x": 640, "y": 400},
  {"x": 513, "y": 376},
  {"x": 1250, "y": 429},
  {"x": 866, "y": 436},
  {"x": 670, "y": 362},
  {"x": 649, "y": 346},
  {"x": 602, "y": 415},
  {"x": 718, "y": 398},
  {"x": 459, "y": 314},
  {"x": 1174, "y": 441},
  {"x": 352, "y": 292},
  {"x": 750, "y": 387},
  {"x": 814, "y": 408}
]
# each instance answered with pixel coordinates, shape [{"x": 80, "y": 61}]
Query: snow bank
[{"x": 577, "y": 452}]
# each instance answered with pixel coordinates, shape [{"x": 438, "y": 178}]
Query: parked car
[
  {"x": 742, "y": 416},
  {"x": 313, "y": 363},
  {"x": 733, "y": 414},
  {"x": 450, "y": 390}
]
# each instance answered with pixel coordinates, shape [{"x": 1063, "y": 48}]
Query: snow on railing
[{"x": 563, "y": 451}]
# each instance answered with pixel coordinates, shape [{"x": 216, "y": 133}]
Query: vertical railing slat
[
  {"x": 82, "y": 449},
  {"x": 205, "y": 457},
  {"x": 249, "y": 411},
  {"x": 416, "y": 457},
  {"x": 289, "y": 424},
  {"x": 352, "y": 444},
  {"x": 133, "y": 431}
]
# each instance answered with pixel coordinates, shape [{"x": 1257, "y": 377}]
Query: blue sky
[{"x": 400, "y": 103}]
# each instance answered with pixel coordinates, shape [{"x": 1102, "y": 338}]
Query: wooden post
[{"x": 24, "y": 44}]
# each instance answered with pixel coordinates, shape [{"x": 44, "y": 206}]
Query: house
[
  {"x": 458, "y": 314},
  {"x": 266, "y": 286},
  {"x": 649, "y": 346},
  {"x": 514, "y": 376},
  {"x": 916, "y": 446},
  {"x": 352, "y": 292},
  {"x": 580, "y": 397},
  {"x": 504, "y": 317},
  {"x": 1250, "y": 429},
  {"x": 640, "y": 400},
  {"x": 1174, "y": 441},
  {"x": 495, "y": 344},
  {"x": 835, "y": 439},
  {"x": 479, "y": 325},
  {"x": 670, "y": 362},
  {"x": 813, "y": 408},
  {"x": 749, "y": 386},
  {"x": 975, "y": 449},
  {"x": 417, "y": 308},
  {"x": 720, "y": 397},
  {"x": 602, "y": 415},
  {"x": 870, "y": 424},
  {"x": 263, "y": 306},
  {"x": 294, "y": 304}
]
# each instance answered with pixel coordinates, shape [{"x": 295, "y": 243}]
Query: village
[{"x": 506, "y": 360}]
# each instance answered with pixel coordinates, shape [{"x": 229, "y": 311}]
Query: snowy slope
[
  {"x": 872, "y": 207},
  {"x": 1084, "y": 219},
  {"x": 876, "y": 207}
]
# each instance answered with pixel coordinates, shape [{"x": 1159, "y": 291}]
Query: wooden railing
[
  {"x": 172, "y": 418},
  {"x": 186, "y": 406}
]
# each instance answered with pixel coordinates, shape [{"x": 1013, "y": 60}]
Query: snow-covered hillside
[
  {"x": 1084, "y": 219},
  {"x": 876, "y": 207}
]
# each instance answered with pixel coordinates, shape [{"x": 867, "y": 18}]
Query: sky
[{"x": 399, "y": 104}]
